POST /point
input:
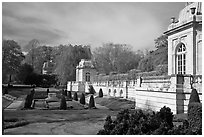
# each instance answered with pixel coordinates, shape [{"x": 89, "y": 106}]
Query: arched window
[
  {"x": 181, "y": 59},
  {"x": 87, "y": 77},
  {"x": 199, "y": 57}
]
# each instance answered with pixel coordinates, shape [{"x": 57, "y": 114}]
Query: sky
[{"x": 134, "y": 23}]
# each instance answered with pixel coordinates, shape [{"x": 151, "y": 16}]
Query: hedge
[{"x": 195, "y": 117}]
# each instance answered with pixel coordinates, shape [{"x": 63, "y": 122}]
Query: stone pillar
[
  {"x": 180, "y": 96},
  {"x": 126, "y": 89},
  {"x": 139, "y": 82},
  {"x": 177, "y": 82}
]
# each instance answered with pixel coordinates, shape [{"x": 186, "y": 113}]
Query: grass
[
  {"x": 50, "y": 115},
  {"x": 14, "y": 122},
  {"x": 5, "y": 102},
  {"x": 19, "y": 91},
  {"x": 115, "y": 103}
]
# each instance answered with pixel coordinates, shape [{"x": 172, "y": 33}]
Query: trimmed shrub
[
  {"x": 32, "y": 92},
  {"x": 63, "y": 103},
  {"x": 82, "y": 99},
  {"x": 29, "y": 99},
  {"x": 114, "y": 92},
  {"x": 91, "y": 102},
  {"x": 100, "y": 93},
  {"x": 195, "y": 117},
  {"x": 91, "y": 89},
  {"x": 63, "y": 92},
  {"x": 166, "y": 115},
  {"x": 75, "y": 96},
  {"x": 69, "y": 95},
  {"x": 48, "y": 91},
  {"x": 194, "y": 97}
]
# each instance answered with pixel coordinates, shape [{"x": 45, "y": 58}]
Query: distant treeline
[{"x": 120, "y": 58}]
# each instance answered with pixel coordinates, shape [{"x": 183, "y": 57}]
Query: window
[
  {"x": 199, "y": 57},
  {"x": 87, "y": 77},
  {"x": 181, "y": 59}
]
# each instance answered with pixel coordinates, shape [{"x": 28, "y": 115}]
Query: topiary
[
  {"x": 194, "y": 97},
  {"x": 32, "y": 92},
  {"x": 100, "y": 93},
  {"x": 48, "y": 91},
  {"x": 65, "y": 92},
  {"x": 82, "y": 99},
  {"x": 75, "y": 96},
  {"x": 91, "y": 89},
  {"x": 91, "y": 102},
  {"x": 63, "y": 104},
  {"x": 195, "y": 117},
  {"x": 28, "y": 101},
  {"x": 69, "y": 95}
]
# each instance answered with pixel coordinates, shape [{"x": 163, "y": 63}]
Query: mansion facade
[{"x": 173, "y": 90}]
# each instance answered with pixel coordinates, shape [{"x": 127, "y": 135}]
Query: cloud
[{"x": 137, "y": 24}]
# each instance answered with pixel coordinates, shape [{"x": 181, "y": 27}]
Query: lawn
[
  {"x": 75, "y": 121},
  {"x": 115, "y": 103},
  {"x": 58, "y": 121},
  {"x": 17, "y": 92}
]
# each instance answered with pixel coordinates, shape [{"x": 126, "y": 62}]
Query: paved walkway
[{"x": 17, "y": 104}]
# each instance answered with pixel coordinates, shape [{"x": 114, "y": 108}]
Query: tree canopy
[
  {"x": 11, "y": 58},
  {"x": 115, "y": 58},
  {"x": 156, "y": 57},
  {"x": 65, "y": 58}
]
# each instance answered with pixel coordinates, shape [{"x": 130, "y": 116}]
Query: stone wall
[{"x": 152, "y": 92}]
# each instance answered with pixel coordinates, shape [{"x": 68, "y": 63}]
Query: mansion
[{"x": 153, "y": 92}]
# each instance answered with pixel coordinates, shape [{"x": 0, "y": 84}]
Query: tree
[
  {"x": 24, "y": 71},
  {"x": 115, "y": 57},
  {"x": 34, "y": 43},
  {"x": 11, "y": 59},
  {"x": 67, "y": 58},
  {"x": 37, "y": 56},
  {"x": 161, "y": 41},
  {"x": 156, "y": 57}
]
